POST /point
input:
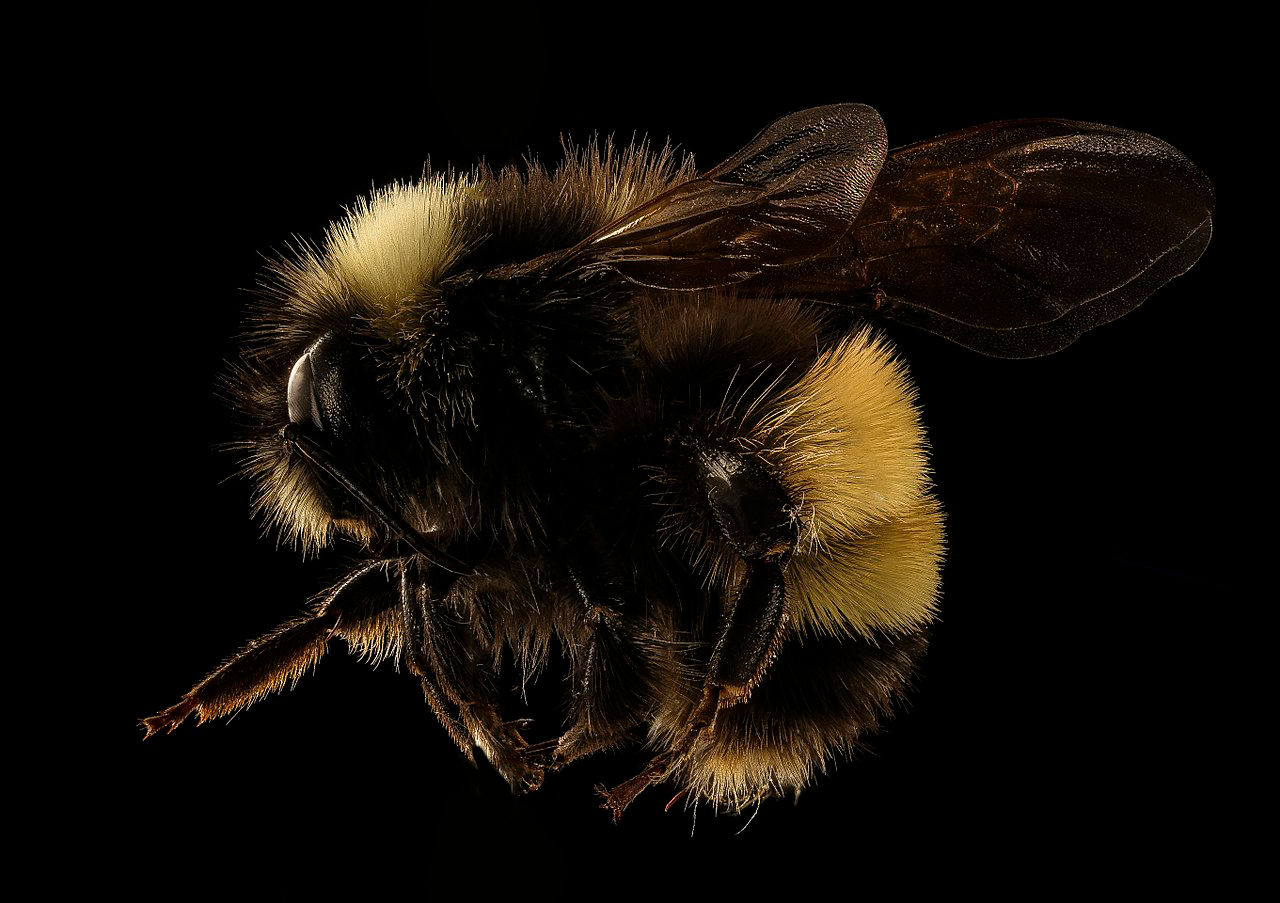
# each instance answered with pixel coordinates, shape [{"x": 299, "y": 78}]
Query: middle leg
[
  {"x": 611, "y": 694},
  {"x": 442, "y": 650}
]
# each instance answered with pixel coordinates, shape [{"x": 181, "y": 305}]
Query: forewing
[
  {"x": 1014, "y": 238},
  {"x": 787, "y": 196}
]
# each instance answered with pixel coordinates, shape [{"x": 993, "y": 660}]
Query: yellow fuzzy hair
[
  {"x": 886, "y": 580},
  {"x": 734, "y": 777},
  {"x": 847, "y": 442},
  {"x": 392, "y": 244},
  {"x": 396, "y": 244},
  {"x": 390, "y": 250},
  {"x": 289, "y": 502}
]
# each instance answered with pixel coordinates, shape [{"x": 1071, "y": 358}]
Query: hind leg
[{"x": 753, "y": 513}]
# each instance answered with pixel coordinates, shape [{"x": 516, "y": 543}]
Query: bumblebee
[{"x": 646, "y": 417}]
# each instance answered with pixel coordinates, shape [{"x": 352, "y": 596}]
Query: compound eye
[
  {"x": 333, "y": 391},
  {"x": 302, "y": 398}
]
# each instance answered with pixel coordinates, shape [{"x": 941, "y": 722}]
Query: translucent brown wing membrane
[
  {"x": 1013, "y": 238},
  {"x": 786, "y": 197},
  {"x": 1010, "y": 238}
]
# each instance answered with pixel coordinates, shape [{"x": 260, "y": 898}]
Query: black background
[{"x": 1058, "y": 721}]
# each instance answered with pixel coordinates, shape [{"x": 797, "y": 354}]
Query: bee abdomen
[
  {"x": 847, "y": 442},
  {"x": 840, "y": 433},
  {"x": 816, "y": 703}
]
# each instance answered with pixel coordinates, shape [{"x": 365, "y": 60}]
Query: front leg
[
  {"x": 360, "y": 609},
  {"x": 418, "y": 660},
  {"x": 754, "y": 514}
]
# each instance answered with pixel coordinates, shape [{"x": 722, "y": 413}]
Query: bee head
[
  {"x": 350, "y": 351},
  {"x": 414, "y": 378}
]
